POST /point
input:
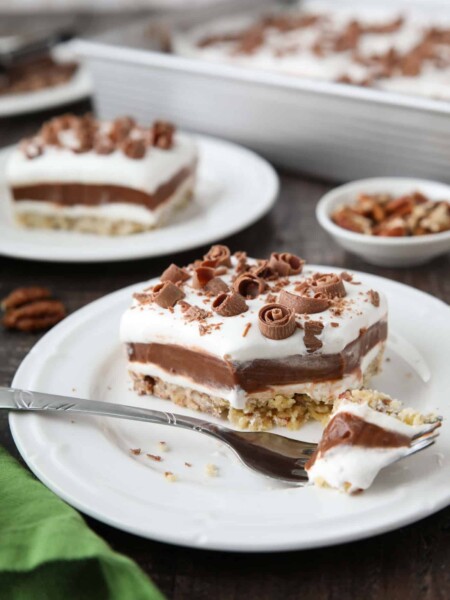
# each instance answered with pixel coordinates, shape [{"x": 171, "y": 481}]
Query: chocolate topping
[
  {"x": 312, "y": 330},
  {"x": 134, "y": 148},
  {"x": 124, "y": 134},
  {"x": 201, "y": 276},
  {"x": 229, "y": 305},
  {"x": 219, "y": 255},
  {"x": 349, "y": 430},
  {"x": 285, "y": 264},
  {"x": 249, "y": 286},
  {"x": 374, "y": 297},
  {"x": 216, "y": 286},
  {"x": 174, "y": 274},
  {"x": 31, "y": 148},
  {"x": 307, "y": 301},
  {"x": 329, "y": 284},
  {"x": 166, "y": 294},
  {"x": 276, "y": 322},
  {"x": 264, "y": 271}
]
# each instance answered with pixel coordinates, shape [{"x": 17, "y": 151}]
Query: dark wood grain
[{"x": 407, "y": 564}]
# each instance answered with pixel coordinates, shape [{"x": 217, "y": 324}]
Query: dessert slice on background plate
[
  {"x": 81, "y": 174},
  {"x": 367, "y": 431},
  {"x": 261, "y": 342}
]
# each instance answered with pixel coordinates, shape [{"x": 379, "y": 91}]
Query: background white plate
[
  {"x": 235, "y": 188},
  {"x": 87, "y": 461}
]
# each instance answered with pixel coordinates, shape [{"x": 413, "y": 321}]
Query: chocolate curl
[
  {"x": 329, "y": 284},
  {"x": 216, "y": 286},
  {"x": 120, "y": 129},
  {"x": 166, "y": 294},
  {"x": 219, "y": 255},
  {"x": 174, "y": 274},
  {"x": 32, "y": 148},
  {"x": 276, "y": 321},
  {"x": 201, "y": 276},
  {"x": 374, "y": 297},
  {"x": 312, "y": 329},
  {"x": 249, "y": 286},
  {"x": 304, "y": 303},
  {"x": 134, "y": 148},
  {"x": 286, "y": 264},
  {"x": 264, "y": 271},
  {"x": 229, "y": 305}
]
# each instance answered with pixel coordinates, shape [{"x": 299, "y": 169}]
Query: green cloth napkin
[{"x": 47, "y": 552}]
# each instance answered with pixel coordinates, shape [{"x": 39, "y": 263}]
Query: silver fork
[{"x": 270, "y": 454}]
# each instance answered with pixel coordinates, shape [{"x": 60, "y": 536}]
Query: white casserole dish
[{"x": 323, "y": 128}]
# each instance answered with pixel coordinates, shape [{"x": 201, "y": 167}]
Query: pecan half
[
  {"x": 24, "y": 295},
  {"x": 35, "y": 316}
]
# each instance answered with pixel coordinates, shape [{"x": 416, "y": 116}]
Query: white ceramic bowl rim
[{"x": 330, "y": 199}]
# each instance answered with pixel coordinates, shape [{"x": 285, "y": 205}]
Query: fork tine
[
  {"x": 432, "y": 427},
  {"x": 426, "y": 443},
  {"x": 425, "y": 436}
]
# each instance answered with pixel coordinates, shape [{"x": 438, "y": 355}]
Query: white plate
[
  {"x": 87, "y": 461},
  {"x": 235, "y": 188},
  {"x": 77, "y": 88}
]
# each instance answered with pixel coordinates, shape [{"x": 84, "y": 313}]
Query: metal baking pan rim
[{"x": 166, "y": 61}]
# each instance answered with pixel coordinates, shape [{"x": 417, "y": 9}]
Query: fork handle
[{"x": 24, "y": 400}]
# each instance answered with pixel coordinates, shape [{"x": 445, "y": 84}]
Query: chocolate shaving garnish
[
  {"x": 246, "y": 329},
  {"x": 307, "y": 302},
  {"x": 31, "y": 148},
  {"x": 219, "y": 255},
  {"x": 329, "y": 284},
  {"x": 285, "y": 264},
  {"x": 346, "y": 276},
  {"x": 121, "y": 128},
  {"x": 216, "y": 286},
  {"x": 249, "y": 286},
  {"x": 264, "y": 271},
  {"x": 134, "y": 148},
  {"x": 166, "y": 294},
  {"x": 104, "y": 145},
  {"x": 312, "y": 329},
  {"x": 276, "y": 321},
  {"x": 229, "y": 305},
  {"x": 163, "y": 134},
  {"x": 174, "y": 274},
  {"x": 195, "y": 313},
  {"x": 201, "y": 276},
  {"x": 374, "y": 297}
]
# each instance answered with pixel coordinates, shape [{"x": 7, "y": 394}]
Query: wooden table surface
[{"x": 412, "y": 562}]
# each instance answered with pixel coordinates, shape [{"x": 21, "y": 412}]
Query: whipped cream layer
[
  {"x": 293, "y": 51},
  {"x": 238, "y": 341},
  {"x": 62, "y": 165},
  {"x": 353, "y": 466}
]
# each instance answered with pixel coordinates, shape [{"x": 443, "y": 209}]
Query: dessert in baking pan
[
  {"x": 401, "y": 51},
  {"x": 261, "y": 342},
  {"x": 115, "y": 177}
]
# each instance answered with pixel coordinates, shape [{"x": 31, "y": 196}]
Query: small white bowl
[{"x": 385, "y": 251}]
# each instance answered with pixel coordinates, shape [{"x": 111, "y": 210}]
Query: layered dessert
[
  {"x": 367, "y": 432},
  {"x": 115, "y": 177},
  {"x": 35, "y": 74},
  {"x": 405, "y": 51},
  {"x": 261, "y": 342}
]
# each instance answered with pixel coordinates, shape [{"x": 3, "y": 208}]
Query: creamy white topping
[
  {"x": 146, "y": 323},
  {"x": 61, "y": 165}
]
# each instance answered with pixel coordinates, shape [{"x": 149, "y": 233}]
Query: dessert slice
[
  {"x": 78, "y": 173},
  {"x": 261, "y": 342},
  {"x": 367, "y": 432}
]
